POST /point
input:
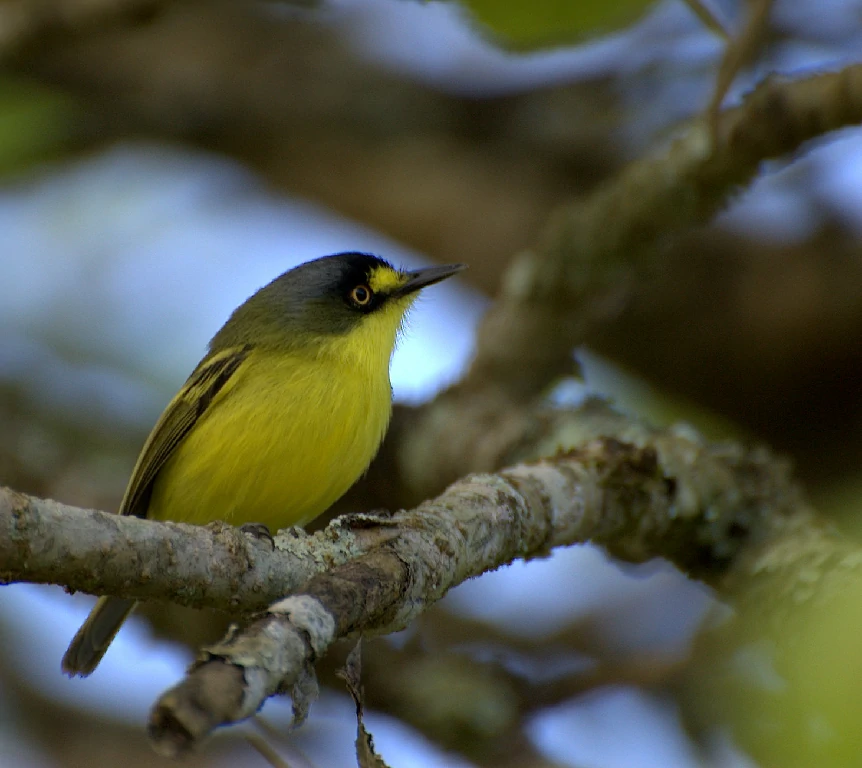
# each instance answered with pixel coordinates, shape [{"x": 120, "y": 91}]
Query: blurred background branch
[
  {"x": 446, "y": 173},
  {"x": 595, "y": 251}
]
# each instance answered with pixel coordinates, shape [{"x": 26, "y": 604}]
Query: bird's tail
[{"x": 95, "y": 635}]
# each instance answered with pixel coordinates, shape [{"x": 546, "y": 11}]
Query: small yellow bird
[{"x": 280, "y": 418}]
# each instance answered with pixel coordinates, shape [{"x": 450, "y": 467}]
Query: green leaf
[
  {"x": 36, "y": 124},
  {"x": 544, "y": 23}
]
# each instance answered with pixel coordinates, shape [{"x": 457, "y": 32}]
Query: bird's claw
[{"x": 258, "y": 531}]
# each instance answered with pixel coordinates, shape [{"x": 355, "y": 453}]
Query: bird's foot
[{"x": 258, "y": 531}]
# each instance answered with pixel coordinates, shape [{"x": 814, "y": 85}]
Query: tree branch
[
  {"x": 213, "y": 566},
  {"x": 616, "y": 494},
  {"x": 23, "y": 20},
  {"x": 218, "y": 567},
  {"x": 593, "y": 250},
  {"x": 707, "y": 508}
]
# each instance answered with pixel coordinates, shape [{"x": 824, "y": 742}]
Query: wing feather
[{"x": 178, "y": 419}]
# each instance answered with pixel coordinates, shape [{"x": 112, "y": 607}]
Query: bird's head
[{"x": 349, "y": 299}]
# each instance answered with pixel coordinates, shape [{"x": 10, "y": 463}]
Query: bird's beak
[{"x": 420, "y": 278}]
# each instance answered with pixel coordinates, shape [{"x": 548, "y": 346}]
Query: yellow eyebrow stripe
[{"x": 385, "y": 280}]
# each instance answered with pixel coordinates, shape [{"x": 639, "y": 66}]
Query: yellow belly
[{"x": 280, "y": 444}]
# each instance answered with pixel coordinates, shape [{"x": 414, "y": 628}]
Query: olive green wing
[{"x": 178, "y": 419}]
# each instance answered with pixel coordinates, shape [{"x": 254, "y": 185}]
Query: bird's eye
[{"x": 361, "y": 295}]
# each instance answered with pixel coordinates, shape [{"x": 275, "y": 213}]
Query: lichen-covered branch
[
  {"x": 594, "y": 249},
  {"x": 617, "y": 494},
  {"x": 214, "y": 566},
  {"x": 217, "y": 566},
  {"x": 723, "y": 514}
]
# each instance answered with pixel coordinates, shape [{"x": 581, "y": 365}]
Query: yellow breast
[{"x": 284, "y": 439}]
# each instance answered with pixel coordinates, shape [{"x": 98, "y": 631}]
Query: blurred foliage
[
  {"x": 36, "y": 124},
  {"x": 791, "y": 698},
  {"x": 552, "y": 22},
  {"x": 841, "y": 501}
]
